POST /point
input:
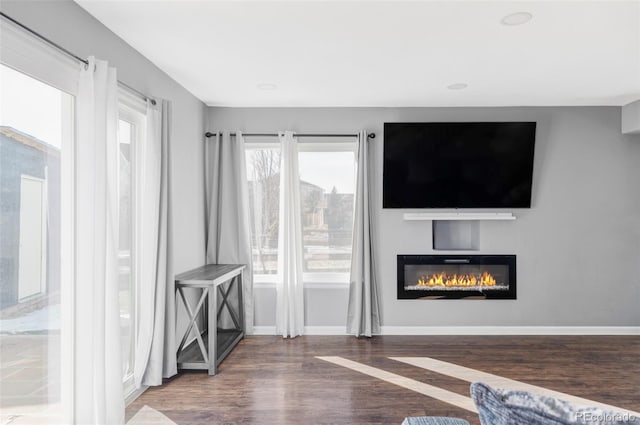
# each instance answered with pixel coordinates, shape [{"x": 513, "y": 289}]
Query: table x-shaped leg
[
  {"x": 193, "y": 315},
  {"x": 225, "y": 294}
]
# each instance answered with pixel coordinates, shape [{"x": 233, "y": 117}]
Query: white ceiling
[{"x": 387, "y": 53}]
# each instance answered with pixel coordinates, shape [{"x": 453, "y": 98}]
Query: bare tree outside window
[{"x": 263, "y": 173}]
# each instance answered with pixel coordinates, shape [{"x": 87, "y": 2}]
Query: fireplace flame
[{"x": 443, "y": 279}]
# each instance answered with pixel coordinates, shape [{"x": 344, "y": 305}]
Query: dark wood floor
[{"x": 268, "y": 380}]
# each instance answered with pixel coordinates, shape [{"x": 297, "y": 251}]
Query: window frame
[
  {"x": 311, "y": 280},
  {"x": 132, "y": 110}
]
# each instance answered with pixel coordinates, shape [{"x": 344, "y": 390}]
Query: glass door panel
[{"x": 36, "y": 128}]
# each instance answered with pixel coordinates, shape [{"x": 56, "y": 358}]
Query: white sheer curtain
[
  {"x": 98, "y": 370},
  {"x": 227, "y": 211},
  {"x": 290, "y": 295},
  {"x": 363, "y": 316},
  {"x": 155, "y": 356}
]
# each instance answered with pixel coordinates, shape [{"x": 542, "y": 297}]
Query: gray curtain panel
[
  {"x": 227, "y": 213},
  {"x": 363, "y": 316},
  {"x": 162, "y": 355}
]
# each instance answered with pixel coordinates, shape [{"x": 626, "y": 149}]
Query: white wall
[
  {"x": 578, "y": 247},
  {"x": 67, "y": 24}
]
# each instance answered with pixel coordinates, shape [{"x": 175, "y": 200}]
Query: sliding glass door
[
  {"x": 131, "y": 131},
  {"x": 38, "y": 176},
  {"x": 36, "y": 199}
]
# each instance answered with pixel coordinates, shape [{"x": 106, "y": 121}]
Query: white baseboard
[
  {"x": 308, "y": 330},
  {"x": 510, "y": 330},
  {"x": 264, "y": 330},
  {"x": 325, "y": 330},
  {"x": 134, "y": 395},
  {"x": 469, "y": 330}
]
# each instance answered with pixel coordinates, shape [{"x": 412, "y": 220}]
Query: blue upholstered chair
[{"x": 507, "y": 407}]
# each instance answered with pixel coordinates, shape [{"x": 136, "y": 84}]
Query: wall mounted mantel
[{"x": 457, "y": 216}]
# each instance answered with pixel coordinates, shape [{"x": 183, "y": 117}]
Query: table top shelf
[{"x": 209, "y": 275}]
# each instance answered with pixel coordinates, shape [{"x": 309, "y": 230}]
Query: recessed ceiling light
[
  {"x": 517, "y": 18},
  {"x": 457, "y": 86},
  {"x": 267, "y": 86}
]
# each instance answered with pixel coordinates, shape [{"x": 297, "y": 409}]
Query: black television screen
[{"x": 458, "y": 164}]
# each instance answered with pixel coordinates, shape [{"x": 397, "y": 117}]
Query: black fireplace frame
[{"x": 509, "y": 260}]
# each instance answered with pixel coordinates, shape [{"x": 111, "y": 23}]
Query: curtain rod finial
[
  {"x": 209, "y": 134},
  {"x": 371, "y": 135}
]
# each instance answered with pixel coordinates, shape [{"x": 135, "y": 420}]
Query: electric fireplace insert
[{"x": 457, "y": 276}]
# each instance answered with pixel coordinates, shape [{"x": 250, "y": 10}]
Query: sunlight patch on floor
[
  {"x": 462, "y": 373},
  {"x": 149, "y": 416},
  {"x": 410, "y": 384},
  {"x": 473, "y": 375}
]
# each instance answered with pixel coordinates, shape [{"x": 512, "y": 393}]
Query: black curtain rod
[
  {"x": 369, "y": 135},
  {"x": 69, "y": 53}
]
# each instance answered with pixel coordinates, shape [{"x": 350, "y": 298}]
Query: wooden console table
[{"x": 215, "y": 283}]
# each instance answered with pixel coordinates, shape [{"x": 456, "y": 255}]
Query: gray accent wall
[
  {"x": 578, "y": 247},
  {"x": 67, "y": 24}
]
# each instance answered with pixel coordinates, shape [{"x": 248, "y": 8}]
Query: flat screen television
[{"x": 458, "y": 164}]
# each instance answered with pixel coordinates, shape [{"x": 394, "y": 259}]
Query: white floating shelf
[{"x": 458, "y": 216}]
